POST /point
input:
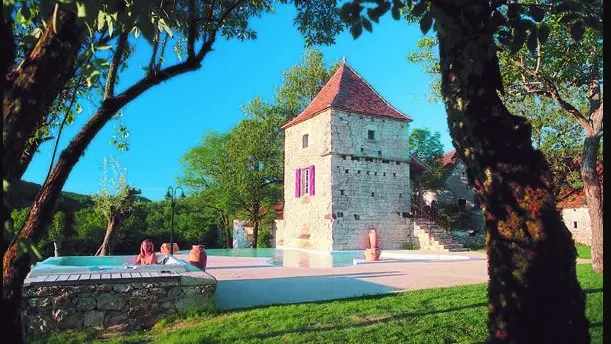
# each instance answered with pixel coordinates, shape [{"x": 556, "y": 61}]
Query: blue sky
[{"x": 172, "y": 117}]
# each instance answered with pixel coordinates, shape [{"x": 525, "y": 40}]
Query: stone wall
[
  {"x": 112, "y": 305},
  {"x": 577, "y": 220},
  {"x": 458, "y": 186},
  {"x": 360, "y": 183},
  {"x": 370, "y": 181},
  {"x": 307, "y": 219}
]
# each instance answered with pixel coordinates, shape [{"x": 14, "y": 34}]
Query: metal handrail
[{"x": 419, "y": 210}]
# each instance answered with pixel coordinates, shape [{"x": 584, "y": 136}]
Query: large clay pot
[
  {"x": 373, "y": 239},
  {"x": 373, "y": 252},
  {"x": 165, "y": 248},
  {"x": 198, "y": 256}
]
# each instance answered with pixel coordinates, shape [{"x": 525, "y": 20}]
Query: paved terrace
[{"x": 251, "y": 282}]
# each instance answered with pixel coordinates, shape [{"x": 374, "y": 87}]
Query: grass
[
  {"x": 447, "y": 315},
  {"x": 584, "y": 251}
]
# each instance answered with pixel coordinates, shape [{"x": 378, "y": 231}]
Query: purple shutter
[
  {"x": 298, "y": 182},
  {"x": 312, "y": 180}
]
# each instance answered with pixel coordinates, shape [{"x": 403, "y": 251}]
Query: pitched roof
[
  {"x": 449, "y": 158},
  {"x": 348, "y": 91},
  {"x": 576, "y": 198}
]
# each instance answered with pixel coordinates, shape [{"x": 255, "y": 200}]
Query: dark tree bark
[
  {"x": 114, "y": 223},
  {"x": 533, "y": 293},
  {"x": 31, "y": 87},
  {"x": 592, "y": 187}
]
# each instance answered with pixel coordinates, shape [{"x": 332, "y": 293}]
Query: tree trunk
[
  {"x": 255, "y": 233},
  {"x": 31, "y": 88},
  {"x": 592, "y": 188},
  {"x": 111, "y": 232},
  {"x": 533, "y": 293},
  {"x": 228, "y": 238}
]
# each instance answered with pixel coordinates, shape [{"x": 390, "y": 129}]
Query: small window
[
  {"x": 346, "y": 171},
  {"x": 375, "y": 173},
  {"x": 304, "y": 141},
  {"x": 384, "y": 174},
  {"x": 372, "y": 194},
  {"x": 344, "y": 157},
  {"x": 398, "y": 162},
  {"x": 462, "y": 204},
  {"x": 358, "y": 172},
  {"x": 379, "y": 152},
  {"x": 384, "y": 161},
  {"x": 367, "y": 172},
  {"x": 369, "y": 159},
  {"x": 400, "y": 195},
  {"x": 394, "y": 175},
  {"x": 574, "y": 224},
  {"x": 341, "y": 192},
  {"x": 355, "y": 158},
  {"x": 362, "y": 149},
  {"x": 371, "y": 134},
  {"x": 306, "y": 181},
  {"x": 356, "y": 217}
]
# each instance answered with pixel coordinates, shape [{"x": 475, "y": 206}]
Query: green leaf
[
  {"x": 110, "y": 27},
  {"x": 518, "y": 39},
  {"x": 346, "y": 11},
  {"x": 101, "y": 20},
  {"x": 577, "y": 30},
  {"x": 356, "y": 30},
  {"x": 543, "y": 33},
  {"x": 419, "y": 8},
  {"x": 396, "y": 13},
  {"x": 425, "y": 22},
  {"x": 536, "y": 13},
  {"x": 531, "y": 43},
  {"x": 366, "y": 24}
]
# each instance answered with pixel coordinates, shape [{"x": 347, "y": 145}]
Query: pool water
[
  {"x": 87, "y": 261},
  {"x": 291, "y": 258}
]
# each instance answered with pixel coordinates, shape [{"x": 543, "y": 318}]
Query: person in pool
[{"x": 147, "y": 253}]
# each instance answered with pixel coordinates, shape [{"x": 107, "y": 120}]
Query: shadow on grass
[
  {"x": 362, "y": 322},
  {"x": 592, "y": 291}
]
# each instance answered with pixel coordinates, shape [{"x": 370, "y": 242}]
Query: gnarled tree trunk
[
  {"x": 592, "y": 188},
  {"x": 533, "y": 293},
  {"x": 31, "y": 87},
  {"x": 114, "y": 223}
]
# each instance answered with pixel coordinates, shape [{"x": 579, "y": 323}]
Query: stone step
[{"x": 458, "y": 249}]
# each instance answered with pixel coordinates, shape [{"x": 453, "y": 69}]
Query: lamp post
[{"x": 171, "y": 196}]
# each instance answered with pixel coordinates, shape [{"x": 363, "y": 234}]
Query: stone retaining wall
[{"x": 112, "y": 305}]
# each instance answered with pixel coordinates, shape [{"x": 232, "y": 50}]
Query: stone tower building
[{"x": 346, "y": 170}]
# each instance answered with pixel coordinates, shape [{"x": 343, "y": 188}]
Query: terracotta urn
[
  {"x": 165, "y": 248},
  {"x": 373, "y": 252},
  {"x": 198, "y": 257}
]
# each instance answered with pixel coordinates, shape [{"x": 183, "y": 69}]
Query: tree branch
[
  {"x": 109, "y": 90},
  {"x": 192, "y": 31}
]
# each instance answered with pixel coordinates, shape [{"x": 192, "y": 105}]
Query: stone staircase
[{"x": 434, "y": 238}]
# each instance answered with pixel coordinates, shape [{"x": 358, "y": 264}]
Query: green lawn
[
  {"x": 448, "y": 315},
  {"x": 584, "y": 251}
]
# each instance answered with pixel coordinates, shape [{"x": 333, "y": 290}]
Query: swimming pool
[
  {"x": 291, "y": 257},
  {"x": 104, "y": 264},
  {"x": 324, "y": 259}
]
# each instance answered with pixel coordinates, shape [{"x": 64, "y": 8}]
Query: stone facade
[
  {"x": 577, "y": 220},
  {"x": 360, "y": 183},
  {"x": 112, "y": 305}
]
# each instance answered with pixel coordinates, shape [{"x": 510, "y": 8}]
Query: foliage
[
  {"x": 115, "y": 196},
  {"x": 302, "y": 82},
  {"x": 425, "y": 145},
  {"x": 446, "y": 315}
]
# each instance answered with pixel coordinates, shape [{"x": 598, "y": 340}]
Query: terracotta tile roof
[
  {"x": 577, "y": 198},
  {"x": 449, "y": 158},
  {"x": 348, "y": 91}
]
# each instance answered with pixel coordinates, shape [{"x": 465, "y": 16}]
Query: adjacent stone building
[{"x": 347, "y": 169}]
